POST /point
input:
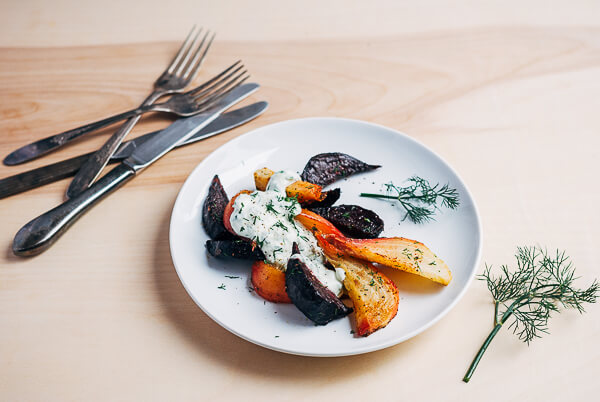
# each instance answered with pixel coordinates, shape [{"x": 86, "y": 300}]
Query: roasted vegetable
[
  {"x": 353, "y": 220},
  {"x": 374, "y": 295},
  {"x": 305, "y": 192},
  {"x": 269, "y": 282},
  {"x": 331, "y": 197},
  {"x": 318, "y": 303},
  {"x": 240, "y": 249},
  {"x": 396, "y": 252},
  {"x": 317, "y": 224},
  {"x": 213, "y": 209},
  {"x": 262, "y": 177},
  {"x": 229, "y": 210},
  {"x": 324, "y": 169}
]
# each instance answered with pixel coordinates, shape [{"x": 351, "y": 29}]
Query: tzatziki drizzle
[{"x": 267, "y": 218}]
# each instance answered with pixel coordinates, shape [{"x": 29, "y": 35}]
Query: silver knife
[
  {"x": 57, "y": 171},
  {"x": 225, "y": 122},
  {"x": 40, "y": 233}
]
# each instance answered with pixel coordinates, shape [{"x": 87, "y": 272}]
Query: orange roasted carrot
[{"x": 269, "y": 282}]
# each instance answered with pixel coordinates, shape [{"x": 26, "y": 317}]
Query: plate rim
[{"x": 358, "y": 350}]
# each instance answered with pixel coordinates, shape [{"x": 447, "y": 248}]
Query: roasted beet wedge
[
  {"x": 353, "y": 220},
  {"x": 324, "y": 169},
  {"x": 331, "y": 197},
  {"x": 212, "y": 211},
  {"x": 318, "y": 303},
  {"x": 240, "y": 249}
]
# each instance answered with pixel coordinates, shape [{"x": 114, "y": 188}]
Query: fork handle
[
  {"x": 45, "y": 145},
  {"x": 40, "y": 233},
  {"x": 92, "y": 167}
]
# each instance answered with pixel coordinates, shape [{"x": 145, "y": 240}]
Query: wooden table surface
[{"x": 507, "y": 92}]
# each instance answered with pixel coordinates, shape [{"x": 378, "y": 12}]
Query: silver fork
[
  {"x": 41, "y": 232},
  {"x": 180, "y": 72},
  {"x": 187, "y": 104}
]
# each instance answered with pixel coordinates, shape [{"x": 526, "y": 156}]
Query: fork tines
[
  {"x": 217, "y": 87},
  {"x": 190, "y": 55}
]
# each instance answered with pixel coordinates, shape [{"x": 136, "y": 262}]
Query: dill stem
[
  {"x": 487, "y": 341},
  {"x": 482, "y": 350},
  {"x": 496, "y": 303},
  {"x": 389, "y": 197}
]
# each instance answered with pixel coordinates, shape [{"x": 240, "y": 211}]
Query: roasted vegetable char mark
[
  {"x": 241, "y": 249},
  {"x": 213, "y": 209},
  {"x": 314, "y": 300},
  {"x": 324, "y": 169},
  {"x": 353, "y": 220}
]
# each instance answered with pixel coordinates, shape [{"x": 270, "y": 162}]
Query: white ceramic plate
[{"x": 455, "y": 236}]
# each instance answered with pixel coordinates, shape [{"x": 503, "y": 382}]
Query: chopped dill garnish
[
  {"x": 270, "y": 207},
  {"x": 277, "y": 250},
  {"x": 280, "y": 224},
  {"x": 259, "y": 243},
  {"x": 293, "y": 203}
]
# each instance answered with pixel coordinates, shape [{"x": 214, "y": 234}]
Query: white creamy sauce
[
  {"x": 280, "y": 180},
  {"x": 267, "y": 217}
]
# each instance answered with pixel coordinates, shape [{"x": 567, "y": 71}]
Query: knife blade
[
  {"x": 42, "y": 232},
  {"x": 57, "y": 171},
  {"x": 225, "y": 122}
]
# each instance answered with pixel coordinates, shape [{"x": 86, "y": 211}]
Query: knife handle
[
  {"x": 40, "y": 233},
  {"x": 41, "y": 176}
]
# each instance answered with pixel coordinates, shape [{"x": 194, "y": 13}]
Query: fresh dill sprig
[
  {"x": 419, "y": 198},
  {"x": 538, "y": 287}
]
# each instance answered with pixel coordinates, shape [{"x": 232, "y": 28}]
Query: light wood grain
[
  {"x": 89, "y": 22},
  {"x": 103, "y": 316}
]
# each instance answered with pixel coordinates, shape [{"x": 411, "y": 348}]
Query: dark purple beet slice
[
  {"x": 324, "y": 169},
  {"x": 240, "y": 249},
  {"x": 353, "y": 220},
  {"x": 212, "y": 211},
  {"x": 318, "y": 303}
]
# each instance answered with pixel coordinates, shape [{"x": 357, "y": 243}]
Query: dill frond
[
  {"x": 525, "y": 298},
  {"x": 419, "y": 198}
]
